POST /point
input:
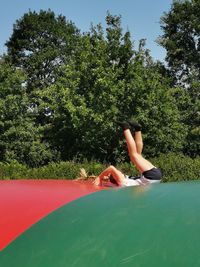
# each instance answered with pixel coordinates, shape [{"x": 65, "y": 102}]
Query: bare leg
[
  {"x": 139, "y": 142},
  {"x": 111, "y": 170},
  {"x": 141, "y": 163}
]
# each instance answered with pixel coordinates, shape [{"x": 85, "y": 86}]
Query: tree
[
  {"x": 20, "y": 138},
  {"x": 119, "y": 46},
  {"x": 152, "y": 100},
  {"x": 104, "y": 83},
  {"x": 39, "y": 44},
  {"x": 181, "y": 39},
  {"x": 192, "y": 147},
  {"x": 82, "y": 123}
]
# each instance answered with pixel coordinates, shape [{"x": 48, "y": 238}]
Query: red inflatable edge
[{"x": 25, "y": 202}]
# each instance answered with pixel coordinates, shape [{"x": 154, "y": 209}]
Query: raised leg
[
  {"x": 141, "y": 163},
  {"x": 139, "y": 142}
]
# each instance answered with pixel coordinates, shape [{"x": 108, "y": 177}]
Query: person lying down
[{"x": 148, "y": 172}]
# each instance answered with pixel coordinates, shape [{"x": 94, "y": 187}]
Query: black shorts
[{"x": 153, "y": 174}]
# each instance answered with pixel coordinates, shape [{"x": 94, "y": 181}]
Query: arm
[{"x": 111, "y": 170}]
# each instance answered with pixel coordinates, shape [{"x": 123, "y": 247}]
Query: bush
[
  {"x": 178, "y": 167},
  {"x": 175, "y": 167},
  {"x": 13, "y": 170},
  {"x": 62, "y": 170}
]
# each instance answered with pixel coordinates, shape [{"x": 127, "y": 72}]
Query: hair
[{"x": 83, "y": 176}]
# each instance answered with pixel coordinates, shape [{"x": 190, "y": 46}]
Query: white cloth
[{"x": 140, "y": 181}]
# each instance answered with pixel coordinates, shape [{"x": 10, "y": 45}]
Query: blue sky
[{"x": 140, "y": 17}]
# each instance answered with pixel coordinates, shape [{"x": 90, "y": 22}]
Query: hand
[{"x": 97, "y": 181}]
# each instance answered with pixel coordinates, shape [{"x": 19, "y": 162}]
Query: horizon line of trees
[{"x": 61, "y": 90}]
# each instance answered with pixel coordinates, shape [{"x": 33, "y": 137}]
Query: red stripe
[{"x": 24, "y": 202}]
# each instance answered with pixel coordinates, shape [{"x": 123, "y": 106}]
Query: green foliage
[
  {"x": 13, "y": 170},
  {"x": 152, "y": 100},
  {"x": 39, "y": 44},
  {"x": 188, "y": 102},
  {"x": 22, "y": 142},
  {"x": 98, "y": 87},
  {"x": 192, "y": 146},
  {"x": 20, "y": 138},
  {"x": 61, "y": 170},
  {"x": 180, "y": 38},
  {"x": 175, "y": 167},
  {"x": 64, "y": 100}
]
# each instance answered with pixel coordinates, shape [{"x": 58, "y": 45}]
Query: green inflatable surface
[{"x": 155, "y": 226}]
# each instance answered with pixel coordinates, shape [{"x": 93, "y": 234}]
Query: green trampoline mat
[{"x": 156, "y": 226}]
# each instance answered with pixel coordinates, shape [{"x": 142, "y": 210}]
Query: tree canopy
[
  {"x": 40, "y": 43},
  {"x": 181, "y": 39},
  {"x": 62, "y": 92},
  {"x": 20, "y": 138}
]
